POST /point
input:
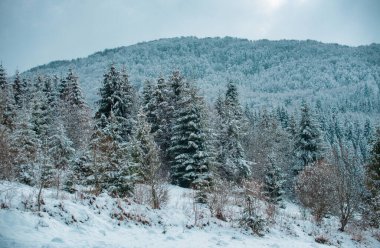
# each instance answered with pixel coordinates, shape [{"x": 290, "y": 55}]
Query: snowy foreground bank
[{"x": 71, "y": 220}]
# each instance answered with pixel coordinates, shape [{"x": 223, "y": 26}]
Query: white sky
[{"x": 35, "y": 32}]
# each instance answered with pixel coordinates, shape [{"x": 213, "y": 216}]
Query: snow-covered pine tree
[
  {"x": 161, "y": 117},
  {"x": 75, "y": 113},
  {"x": 308, "y": 142},
  {"x": 189, "y": 151},
  {"x": 3, "y": 77},
  {"x": 7, "y": 103},
  {"x": 148, "y": 101},
  {"x": 373, "y": 182},
  {"x": 145, "y": 153},
  {"x": 60, "y": 153},
  {"x": 273, "y": 181},
  {"x": 119, "y": 99},
  {"x": 231, "y": 154},
  {"x": 19, "y": 91},
  {"x": 42, "y": 114},
  {"x": 26, "y": 146}
]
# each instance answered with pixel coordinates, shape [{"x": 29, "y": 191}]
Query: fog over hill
[{"x": 268, "y": 73}]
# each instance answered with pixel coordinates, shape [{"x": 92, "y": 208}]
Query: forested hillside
[
  {"x": 267, "y": 72},
  {"x": 262, "y": 123}
]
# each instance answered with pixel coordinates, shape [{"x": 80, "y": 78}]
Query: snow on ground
[{"x": 73, "y": 221}]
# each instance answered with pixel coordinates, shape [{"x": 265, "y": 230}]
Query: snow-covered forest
[{"x": 246, "y": 129}]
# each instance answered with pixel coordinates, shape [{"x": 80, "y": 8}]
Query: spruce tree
[
  {"x": 161, "y": 117},
  {"x": 231, "y": 154},
  {"x": 60, "y": 152},
  {"x": 117, "y": 99},
  {"x": 7, "y": 103},
  {"x": 26, "y": 147},
  {"x": 273, "y": 181},
  {"x": 19, "y": 91},
  {"x": 308, "y": 142},
  {"x": 189, "y": 152},
  {"x": 145, "y": 153},
  {"x": 75, "y": 112},
  {"x": 373, "y": 182}
]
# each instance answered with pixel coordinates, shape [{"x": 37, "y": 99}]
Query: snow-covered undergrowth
[{"x": 77, "y": 220}]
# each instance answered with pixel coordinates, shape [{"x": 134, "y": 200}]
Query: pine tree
[
  {"x": 308, "y": 142},
  {"x": 74, "y": 111},
  {"x": 7, "y": 104},
  {"x": 189, "y": 151},
  {"x": 231, "y": 154},
  {"x": 26, "y": 147},
  {"x": 117, "y": 99},
  {"x": 60, "y": 153},
  {"x": 373, "y": 182},
  {"x": 19, "y": 91},
  {"x": 273, "y": 181},
  {"x": 161, "y": 118},
  {"x": 3, "y": 77},
  {"x": 149, "y": 106},
  {"x": 145, "y": 153}
]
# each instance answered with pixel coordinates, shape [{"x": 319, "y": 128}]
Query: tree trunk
[
  {"x": 39, "y": 197},
  {"x": 156, "y": 204}
]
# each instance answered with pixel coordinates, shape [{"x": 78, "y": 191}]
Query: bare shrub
[
  {"x": 143, "y": 195},
  {"x": 271, "y": 213},
  {"x": 6, "y": 156},
  {"x": 217, "y": 200},
  {"x": 322, "y": 239},
  {"x": 252, "y": 213},
  {"x": 315, "y": 188}
]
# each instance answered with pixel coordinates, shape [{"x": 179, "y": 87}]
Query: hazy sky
[{"x": 34, "y": 32}]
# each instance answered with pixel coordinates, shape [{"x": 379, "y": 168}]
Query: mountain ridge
[{"x": 268, "y": 73}]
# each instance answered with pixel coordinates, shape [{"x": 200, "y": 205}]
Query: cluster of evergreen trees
[{"x": 49, "y": 138}]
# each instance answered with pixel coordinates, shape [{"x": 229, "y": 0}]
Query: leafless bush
[
  {"x": 315, "y": 189},
  {"x": 252, "y": 214},
  {"x": 217, "y": 200},
  {"x": 322, "y": 239},
  {"x": 143, "y": 194},
  {"x": 271, "y": 213},
  {"x": 6, "y": 156}
]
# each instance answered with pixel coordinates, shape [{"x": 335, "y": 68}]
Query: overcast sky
[{"x": 35, "y": 32}]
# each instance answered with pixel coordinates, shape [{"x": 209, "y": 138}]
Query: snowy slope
[{"x": 84, "y": 221}]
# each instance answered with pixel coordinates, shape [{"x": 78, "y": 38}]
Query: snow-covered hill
[
  {"x": 73, "y": 220},
  {"x": 267, "y": 72}
]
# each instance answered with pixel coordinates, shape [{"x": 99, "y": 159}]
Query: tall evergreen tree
[
  {"x": 189, "y": 152},
  {"x": 75, "y": 112},
  {"x": 145, "y": 153},
  {"x": 26, "y": 147},
  {"x": 273, "y": 181},
  {"x": 19, "y": 91},
  {"x": 373, "y": 182},
  {"x": 231, "y": 154},
  {"x": 118, "y": 99},
  {"x": 308, "y": 143}
]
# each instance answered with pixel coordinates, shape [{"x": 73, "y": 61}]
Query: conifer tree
[
  {"x": 161, "y": 119},
  {"x": 189, "y": 152},
  {"x": 308, "y": 142},
  {"x": 145, "y": 153},
  {"x": 26, "y": 147},
  {"x": 373, "y": 182},
  {"x": 7, "y": 104},
  {"x": 231, "y": 154},
  {"x": 75, "y": 112},
  {"x": 273, "y": 181},
  {"x": 117, "y": 99},
  {"x": 19, "y": 91},
  {"x": 60, "y": 153}
]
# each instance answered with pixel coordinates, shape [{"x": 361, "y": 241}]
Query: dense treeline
[
  {"x": 267, "y": 72},
  {"x": 168, "y": 133}
]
